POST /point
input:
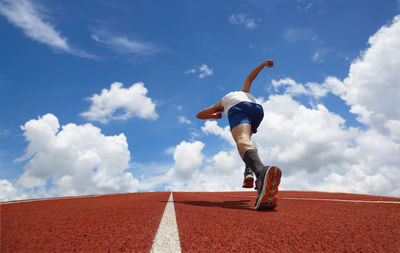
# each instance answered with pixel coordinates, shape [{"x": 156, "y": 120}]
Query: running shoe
[
  {"x": 267, "y": 197},
  {"x": 248, "y": 181}
]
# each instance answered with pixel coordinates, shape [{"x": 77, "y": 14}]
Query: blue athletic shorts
[{"x": 246, "y": 112}]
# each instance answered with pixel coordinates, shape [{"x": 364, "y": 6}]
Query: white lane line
[
  {"x": 56, "y": 198},
  {"x": 167, "y": 237},
  {"x": 313, "y": 199},
  {"x": 66, "y": 197},
  {"x": 347, "y": 200}
]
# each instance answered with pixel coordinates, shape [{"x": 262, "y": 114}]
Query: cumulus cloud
[
  {"x": 315, "y": 150},
  {"x": 221, "y": 172},
  {"x": 299, "y": 138},
  {"x": 242, "y": 20},
  {"x": 296, "y": 137},
  {"x": 292, "y": 87},
  {"x": 132, "y": 101},
  {"x": 74, "y": 159},
  {"x": 188, "y": 158},
  {"x": 372, "y": 86},
  {"x": 31, "y": 18},
  {"x": 9, "y": 192}
]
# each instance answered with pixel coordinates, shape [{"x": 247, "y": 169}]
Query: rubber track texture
[
  {"x": 109, "y": 223},
  {"x": 226, "y": 222},
  {"x": 207, "y": 222}
]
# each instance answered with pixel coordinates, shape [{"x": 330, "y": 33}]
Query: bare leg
[
  {"x": 242, "y": 136},
  {"x": 247, "y": 150}
]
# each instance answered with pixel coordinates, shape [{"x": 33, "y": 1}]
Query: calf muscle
[{"x": 242, "y": 136}]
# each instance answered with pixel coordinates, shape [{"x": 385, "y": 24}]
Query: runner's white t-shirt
[{"x": 235, "y": 97}]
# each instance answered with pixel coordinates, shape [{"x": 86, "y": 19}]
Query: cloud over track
[
  {"x": 132, "y": 101},
  {"x": 74, "y": 159}
]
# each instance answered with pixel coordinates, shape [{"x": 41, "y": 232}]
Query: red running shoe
[
  {"x": 267, "y": 186},
  {"x": 248, "y": 181}
]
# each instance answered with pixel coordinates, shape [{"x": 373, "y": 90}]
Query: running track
[{"x": 202, "y": 222}]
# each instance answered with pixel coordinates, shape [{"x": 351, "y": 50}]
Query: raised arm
[
  {"x": 212, "y": 112},
  {"x": 253, "y": 74}
]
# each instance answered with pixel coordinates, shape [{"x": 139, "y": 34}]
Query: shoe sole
[
  {"x": 248, "y": 182},
  {"x": 269, "y": 194}
]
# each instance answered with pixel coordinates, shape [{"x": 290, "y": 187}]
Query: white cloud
[
  {"x": 296, "y": 137},
  {"x": 124, "y": 45},
  {"x": 243, "y": 20},
  {"x": 188, "y": 159},
  {"x": 190, "y": 71},
  {"x": 30, "y": 18},
  {"x": 212, "y": 127},
  {"x": 316, "y": 90},
  {"x": 170, "y": 150},
  {"x": 394, "y": 129},
  {"x": 223, "y": 163},
  {"x": 74, "y": 160},
  {"x": 221, "y": 172},
  {"x": 132, "y": 101},
  {"x": 372, "y": 87},
  {"x": 314, "y": 149},
  {"x": 9, "y": 192},
  {"x": 293, "y": 88},
  {"x": 203, "y": 70},
  {"x": 26, "y": 16},
  {"x": 299, "y": 138},
  {"x": 184, "y": 120}
]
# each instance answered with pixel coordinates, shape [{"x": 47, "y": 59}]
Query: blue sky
[{"x": 65, "y": 131}]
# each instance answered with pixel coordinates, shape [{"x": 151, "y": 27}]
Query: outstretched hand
[
  {"x": 253, "y": 74},
  {"x": 268, "y": 63}
]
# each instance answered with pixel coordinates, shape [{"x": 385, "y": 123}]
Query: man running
[{"x": 245, "y": 115}]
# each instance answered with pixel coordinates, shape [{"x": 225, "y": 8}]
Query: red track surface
[
  {"x": 207, "y": 222},
  {"x": 110, "y": 223},
  {"x": 224, "y": 222}
]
